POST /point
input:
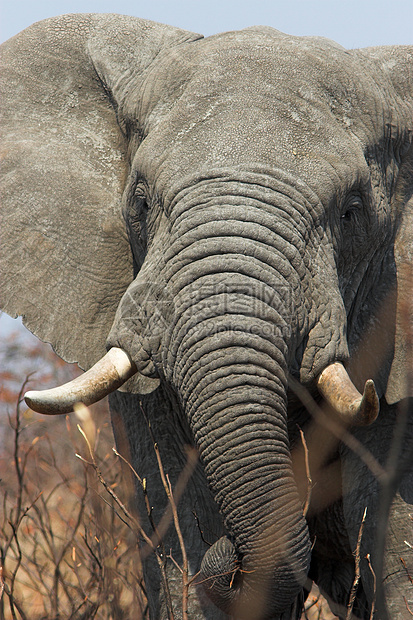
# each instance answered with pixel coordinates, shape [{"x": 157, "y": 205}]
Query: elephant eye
[
  {"x": 351, "y": 209},
  {"x": 347, "y": 216}
]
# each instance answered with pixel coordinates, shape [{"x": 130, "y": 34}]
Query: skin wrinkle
[
  {"x": 259, "y": 408},
  {"x": 260, "y": 541},
  {"x": 208, "y": 329},
  {"x": 231, "y": 503},
  {"x": 226, "y": 488},
  {"x": 259, "y": 223},
  {"x": 234, "y": 409},
  {"x": 251, "y": 267},
  {"x": 257, "y": 210},
  {"x": 242, "y": 302},
  {"x": 246, "y": 327},
  {"x": 205, "y": 388},
  {"x": 233, "y": 282},
  {"x": 218, "y": 377},
  {"x": 192, "y": 382},
  {"x": 231, "y": 321},
  {"x": 233, "y": 397},
  {"x": 233, "y": 227},
  {"x": 227, "y": 467},
  {"x": 214, "y": 246},
  {"x": 281, "y": 526},
  {"x": 264, "y": 421},
  {"x": 261, "y": 184},
  {"x": 225, "y": 345},
  {"x": 262, "y": 211},
  {"x": 220, "y": 401},
  {"x": 235, "y": 379},
  {"x": 263, "y": 431},
  {"x": 232, "y": 404},
  {"x": 372, "y": 259},
  {"x": 248, "y": 282},
  {"x": 237, "y": 264},
  {"x": 252, "y": 542},
  {"x": 209, "y": 465},
  {"x": 251, "y": 272},
  {"x": 273, "y": 477},
  {"x": 363, "y": 265},
  {"x": 355, "y": 105}
]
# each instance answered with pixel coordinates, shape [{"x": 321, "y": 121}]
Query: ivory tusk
[
  {"x": 335, "y": 385},
  {"x": 106, "y": 376}
]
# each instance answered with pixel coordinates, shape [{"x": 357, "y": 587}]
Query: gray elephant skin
[{"x": 234, "y": 213}]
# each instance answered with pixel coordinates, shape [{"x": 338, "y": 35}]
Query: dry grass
[{"x": 65, "y": 551}]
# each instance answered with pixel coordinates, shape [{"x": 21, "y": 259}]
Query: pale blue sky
[{"x": 352, "y": 23}]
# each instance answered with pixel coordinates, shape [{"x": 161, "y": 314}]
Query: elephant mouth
[{"x": 116, "y": 367}]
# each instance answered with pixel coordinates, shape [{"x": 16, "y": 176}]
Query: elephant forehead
[
  {"x": 249, "y": 70},
  {"x": 236, "y": 102},
  {"x": 201, "y": 136}
]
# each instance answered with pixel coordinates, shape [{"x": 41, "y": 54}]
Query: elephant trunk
[
  {"x": 238, "y": 416},
  {"x": 235, "y": 282},
  {"x": 230, "y": 369}
]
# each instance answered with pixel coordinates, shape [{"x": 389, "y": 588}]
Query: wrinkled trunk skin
[
  {"x": 227, "y": 358},
  {"x": 240, "y": 429},
  {"x": 225, "y": 336}
]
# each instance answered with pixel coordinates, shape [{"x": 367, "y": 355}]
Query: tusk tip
[
  {"x": 107, "y": 375},
  {"x": 39, "y": 402},
  {"x": 31, "y": 400},
  {"x": 353, "y": 408},
  {"x": 369, "y": 405}
]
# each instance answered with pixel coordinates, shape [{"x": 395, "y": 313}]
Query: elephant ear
[
  {"x": 65, "y": 259},
  {"x": 400, "y": 382},
  {"x": 391, "y": 301},
  {"x": 397, "y": 62}
]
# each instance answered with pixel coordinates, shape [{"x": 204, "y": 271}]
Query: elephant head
[{"x": 218, "y": 214}]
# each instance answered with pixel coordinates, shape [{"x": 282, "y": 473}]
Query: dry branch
[{"x": 356, "y": 580}]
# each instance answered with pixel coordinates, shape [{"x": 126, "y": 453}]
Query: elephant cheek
[{"x": 140, "y": 323}]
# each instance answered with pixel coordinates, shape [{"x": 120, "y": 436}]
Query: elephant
[{"x": 219, "y": 232}]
